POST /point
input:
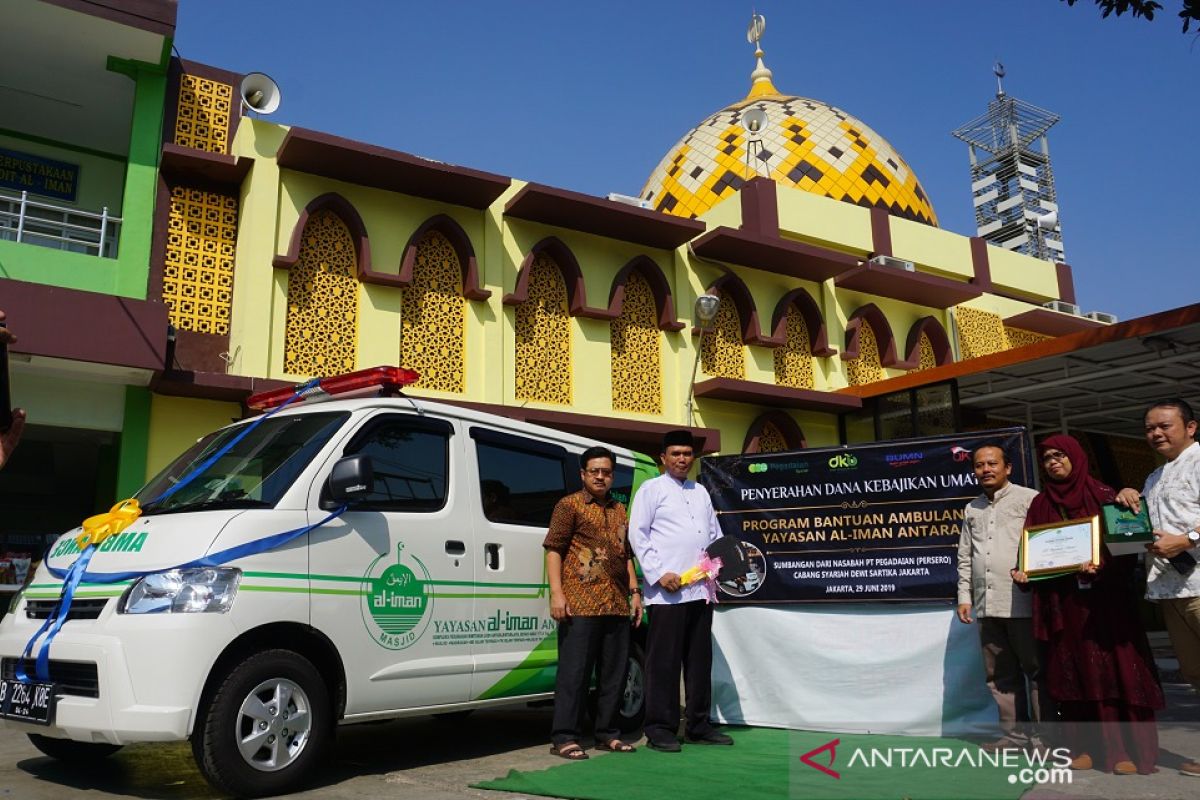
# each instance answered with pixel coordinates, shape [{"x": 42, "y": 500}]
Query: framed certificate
[{"x": 1060, "y": 547}]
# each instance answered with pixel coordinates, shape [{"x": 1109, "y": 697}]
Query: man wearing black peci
[{"x": 672, "y": 521}]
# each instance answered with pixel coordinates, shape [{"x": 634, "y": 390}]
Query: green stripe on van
[{"x": 534, "y": 675}]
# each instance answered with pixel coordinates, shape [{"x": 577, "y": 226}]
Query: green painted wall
[
  {"x": 127, "y": 275},
  {"x": 101, "y": 178},
  {"x": 135, "y": 441}
]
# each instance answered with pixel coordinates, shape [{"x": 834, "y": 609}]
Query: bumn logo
[
  {"x": 830, "y": 746},
  {"x": 396, "y": 601}
]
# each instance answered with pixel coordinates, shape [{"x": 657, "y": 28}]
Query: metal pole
[
  {"x": 103, "y": 231},
  {"x": 21, "y": 216},
  {"x": 692, "y": 383}
]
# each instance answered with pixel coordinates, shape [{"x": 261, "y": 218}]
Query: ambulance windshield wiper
[{"x": 207, "y": 505}]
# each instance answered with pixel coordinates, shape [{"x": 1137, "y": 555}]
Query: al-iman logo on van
[{"x": 396, "y": 601}]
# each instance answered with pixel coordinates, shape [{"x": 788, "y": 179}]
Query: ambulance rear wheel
[
  {"x": 266, "y": 726},
  {"x": 632, "y": 710},
  {"x": 71, "y": 750}
]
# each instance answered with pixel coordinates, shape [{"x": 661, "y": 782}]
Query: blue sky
[{"x": 590, "y": 96}]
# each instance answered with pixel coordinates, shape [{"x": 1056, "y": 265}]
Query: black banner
[{"x": 876, "y": 521}]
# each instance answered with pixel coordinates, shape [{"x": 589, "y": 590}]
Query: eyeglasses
[
  {"x": 600, "y": 472},
  {"x": 1054, "y": 455}
]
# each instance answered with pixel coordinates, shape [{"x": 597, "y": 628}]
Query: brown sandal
[
  {"x": 571, "y": 751},
  {"x": 616, "y": 746}
]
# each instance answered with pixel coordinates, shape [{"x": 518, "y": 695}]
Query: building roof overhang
[
  {"x": 1051, "y": 323},
  {"x": 773, "y": 254},
  {"x": 919, "y": 288},
  {"x": 765, "y": 394},
  {"x": 70, "y": 324},
  {"x": 596, "y": 215},
  {"x": 188, "y": 164},
  {"x": 1098, "y": 380},
  {"x": 341, "y": 159}
]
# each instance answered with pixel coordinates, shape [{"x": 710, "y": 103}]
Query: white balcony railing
[{"x": 48, "y": 225}]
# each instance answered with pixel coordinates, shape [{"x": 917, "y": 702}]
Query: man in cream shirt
[
  {"x": 671, "y": 522},
  {"x": 987, "y": 557}
]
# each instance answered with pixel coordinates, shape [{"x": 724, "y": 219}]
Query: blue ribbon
[{"x": 77, "y": 572}]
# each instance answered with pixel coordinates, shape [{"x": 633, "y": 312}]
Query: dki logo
[
  {"x": 395, "y": 601},
  {"x": 843, "y": 461}
]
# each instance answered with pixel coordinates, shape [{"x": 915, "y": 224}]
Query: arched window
[
  {"x": 794, "y": 359},
  {"x": 773, "y": 432},
  {"x": 926, "y": 359},
  {"x": 543, "y": 336},
  {"x": 722, "y": 352},
  {"x": 636, "y": 351},
  {"x": 771, "y": 440},
  {"x": 433, "y": 317},
  {"x": 867, "y": 367},
  {"x": 321, "y": 330}
]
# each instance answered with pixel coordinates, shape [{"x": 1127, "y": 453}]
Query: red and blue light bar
[{"x": 376, "y": 381}]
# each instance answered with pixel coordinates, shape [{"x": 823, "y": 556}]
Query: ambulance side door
[
  {"x": 406, "y": 551},
  {"x": 519, "y": 479}
]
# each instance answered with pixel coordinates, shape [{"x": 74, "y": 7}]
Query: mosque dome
[{"x": 798, "y": 142}]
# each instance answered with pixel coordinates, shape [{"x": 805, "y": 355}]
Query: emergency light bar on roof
[{"x": 376, "y": 381}]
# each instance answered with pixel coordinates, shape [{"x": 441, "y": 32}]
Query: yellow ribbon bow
[{"x": 101, "y": 526}]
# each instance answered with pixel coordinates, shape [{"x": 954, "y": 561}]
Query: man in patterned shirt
[{"x": 593, "y": 594}]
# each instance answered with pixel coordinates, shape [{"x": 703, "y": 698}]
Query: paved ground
[
  {"x": 435, "y": 759},
  {"x": 417, "y": 758}
]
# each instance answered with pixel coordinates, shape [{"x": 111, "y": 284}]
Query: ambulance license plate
[{"x": 27, "y": 702}]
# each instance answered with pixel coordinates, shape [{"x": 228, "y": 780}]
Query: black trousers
[
  {"x": 679, "y": 636},
  {"x": 585, "y": 643}
]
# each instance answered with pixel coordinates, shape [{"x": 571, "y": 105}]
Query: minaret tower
[{"x": 1012, "y": 182}]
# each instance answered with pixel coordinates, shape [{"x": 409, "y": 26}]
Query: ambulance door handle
[
  {"x": 455, "y": 548},
  {"x": 491, "y": 552}
]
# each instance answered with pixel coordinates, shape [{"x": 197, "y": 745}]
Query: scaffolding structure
[{"x": 1012, "y": 182}]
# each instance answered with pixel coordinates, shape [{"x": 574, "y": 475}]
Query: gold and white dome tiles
[{"x": 804, "y": 143}]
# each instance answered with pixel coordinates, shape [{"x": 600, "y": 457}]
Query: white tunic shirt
[
  {"x": 670, "y": 524},
  {"x": 1172, "y": 495}
]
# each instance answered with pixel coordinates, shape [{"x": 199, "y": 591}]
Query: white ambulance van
[{"x": 428, "y": 595}]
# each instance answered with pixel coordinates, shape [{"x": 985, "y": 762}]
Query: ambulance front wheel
[{"x": 265, "y": 727}]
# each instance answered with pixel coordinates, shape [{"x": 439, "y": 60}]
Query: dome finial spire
[{"x": 761, "y": 77}]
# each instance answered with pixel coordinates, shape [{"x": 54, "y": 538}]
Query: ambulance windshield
[{"x": 254, "y": 473}]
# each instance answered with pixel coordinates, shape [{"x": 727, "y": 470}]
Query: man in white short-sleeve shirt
[{"x": 1172, "y": 496}]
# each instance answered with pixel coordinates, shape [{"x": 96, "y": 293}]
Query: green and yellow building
[{"x": 251, "y": 254}]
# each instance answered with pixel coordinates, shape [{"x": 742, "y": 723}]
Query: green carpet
[{"x": 766, "y": 763}]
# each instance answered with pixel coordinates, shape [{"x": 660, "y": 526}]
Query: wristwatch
[
  {"x": 635, "y": 590},
  {"x": 1193, "y": 537}
]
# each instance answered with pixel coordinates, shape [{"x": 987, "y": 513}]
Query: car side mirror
[{"x": 351, "y": 479}]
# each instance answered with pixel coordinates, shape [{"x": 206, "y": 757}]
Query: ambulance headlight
[{"x": 183, "y": 591}]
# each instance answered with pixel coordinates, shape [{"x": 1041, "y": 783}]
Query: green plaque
[{"x": 1124, "y": 531}]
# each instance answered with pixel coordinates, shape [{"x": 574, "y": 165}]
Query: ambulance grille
[
  {"x": 80, "y": 609},
  {"x": 71, "y": 677}
]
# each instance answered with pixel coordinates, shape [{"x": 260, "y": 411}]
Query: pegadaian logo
[
  {"x": 759, "y": 467},
  {"x": 396, "y": 600}
]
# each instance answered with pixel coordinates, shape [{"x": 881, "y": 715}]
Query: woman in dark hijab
[{"x": 1099, "y": 666}]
